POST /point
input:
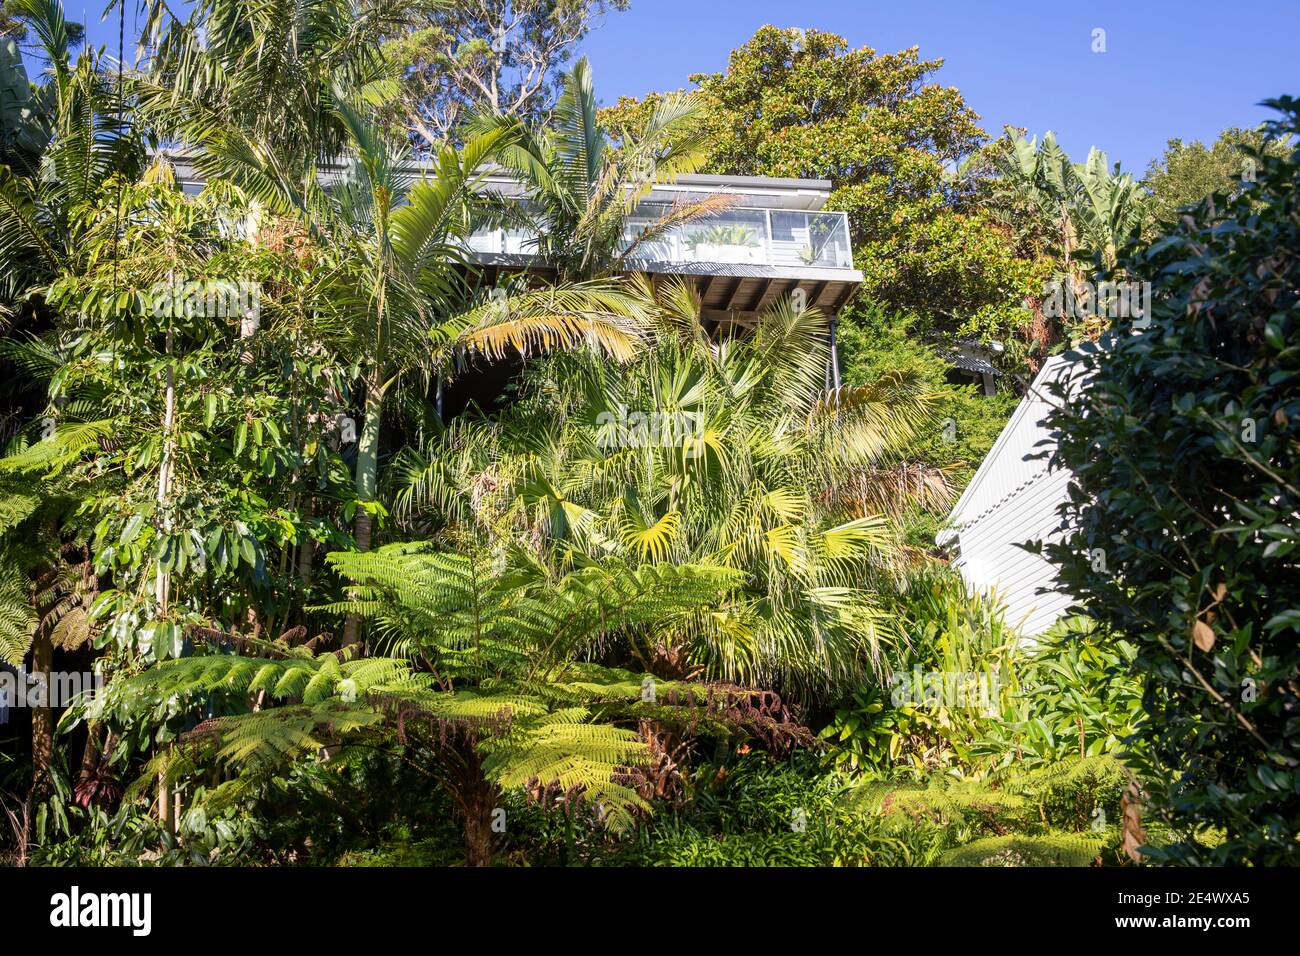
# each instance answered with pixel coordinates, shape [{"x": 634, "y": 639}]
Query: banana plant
[
  {"x": 1093, "y": 208},
  {"x": 24, "y": 116}
]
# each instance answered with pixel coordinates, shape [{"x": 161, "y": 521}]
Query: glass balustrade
[{"x": 772, "y": 237}]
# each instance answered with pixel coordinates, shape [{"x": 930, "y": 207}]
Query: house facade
[
  {"x": 775, "y": 239},
  {"x": 1013, "y": 499}
]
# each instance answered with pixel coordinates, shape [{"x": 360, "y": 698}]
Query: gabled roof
[{"x": 1011, "y": 467}]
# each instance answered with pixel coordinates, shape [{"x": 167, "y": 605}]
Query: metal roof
[
  {"x": 814, "y": 191},
  {"x": 970, "y": 363},
  {"x": 1012, "y": 465}
]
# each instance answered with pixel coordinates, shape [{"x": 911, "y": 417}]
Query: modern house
[
  {"x": 1013, "y": 499},
  {"x": 774, "y": 238}
]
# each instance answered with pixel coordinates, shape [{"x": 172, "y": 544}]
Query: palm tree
[
  {"x": 63, "y": 141},
  {"x": 58, "y": 158},
  {"x": 582, "y": 190},
  {"x": 392, "y": 290},
  {"x": 266, "y": 93},
  {"x": 268, "y": 69},
  {"x": 732, "y": 455}
]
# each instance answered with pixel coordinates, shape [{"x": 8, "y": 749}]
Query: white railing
[{"x": 773, "y": 237}]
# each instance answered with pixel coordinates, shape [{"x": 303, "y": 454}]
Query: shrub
[
  {"x": 1185, "y": 448},
  {"x": 1076, "y": 696}
]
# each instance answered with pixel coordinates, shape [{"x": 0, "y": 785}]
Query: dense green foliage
[
  {"x": 752, "y": 465},
  {"x": 666, "y": 597},
  {"x": 1186, "y": 488},
  {"x": 1188, "y": 172}
]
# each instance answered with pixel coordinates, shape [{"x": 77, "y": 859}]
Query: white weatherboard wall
[{"x": 1010, "y": 501}]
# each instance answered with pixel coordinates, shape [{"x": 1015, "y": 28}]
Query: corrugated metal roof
[
  {"x": 1008, "y": 468},
  {"x": 971, "y": 363},
  {"x": 1013, "y": 499}
]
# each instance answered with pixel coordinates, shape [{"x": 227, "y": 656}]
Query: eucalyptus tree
[
  {"x": 1187, "y": 172},
  {"x": 502, "y": 56},
  {"x": 732, "y": 455}
]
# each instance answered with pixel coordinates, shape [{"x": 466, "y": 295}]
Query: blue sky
[
  {"x": 1182, "y": 68},
  {"x": 1185, "y": 68}
]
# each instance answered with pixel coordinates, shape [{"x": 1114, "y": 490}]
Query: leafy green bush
[
  {"x": 1076, "y": 696},
  {"x": 1185, "y": 448},
  {"x": 950, "y": 630},
  {"x": 756, "y": 813},
  {"x": 874, "y": 341}
]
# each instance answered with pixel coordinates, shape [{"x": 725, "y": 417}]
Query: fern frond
[{"x": 1052, "y": 849}]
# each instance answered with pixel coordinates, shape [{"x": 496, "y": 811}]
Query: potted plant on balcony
[{"x": 725, "y": 243}]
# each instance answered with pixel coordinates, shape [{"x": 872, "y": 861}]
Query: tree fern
[
  {"x": 17, "y": 617},
  {"x": 1052, "y": 849},
  {"x": 1060, "y": 815},
  {"x": 503, "y": 676}
]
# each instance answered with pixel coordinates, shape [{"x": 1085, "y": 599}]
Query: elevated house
[
  {"x": 774, "y": 238},
  {"x": 1013, "y": 499}
]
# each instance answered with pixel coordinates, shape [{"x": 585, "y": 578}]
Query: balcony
[
  {"x": 771, "y": 237},
  {"x": 739, "y": 260}
]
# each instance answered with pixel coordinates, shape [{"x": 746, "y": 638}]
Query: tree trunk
[
  {"x": 478, "y": 798},
  {"x": 42, "y": 714},
  {"x": 366, "y": 482},
  {"x": 162, "y": 579},
  {"x": 165, "y": 816},
  {"x": 90, "y": 755},
  {"x": 308, "y": 550},
  {"x": 835, "y": 357},
  {"x": 368, "y": 443},
  {"x": 478, "y": 834}
]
